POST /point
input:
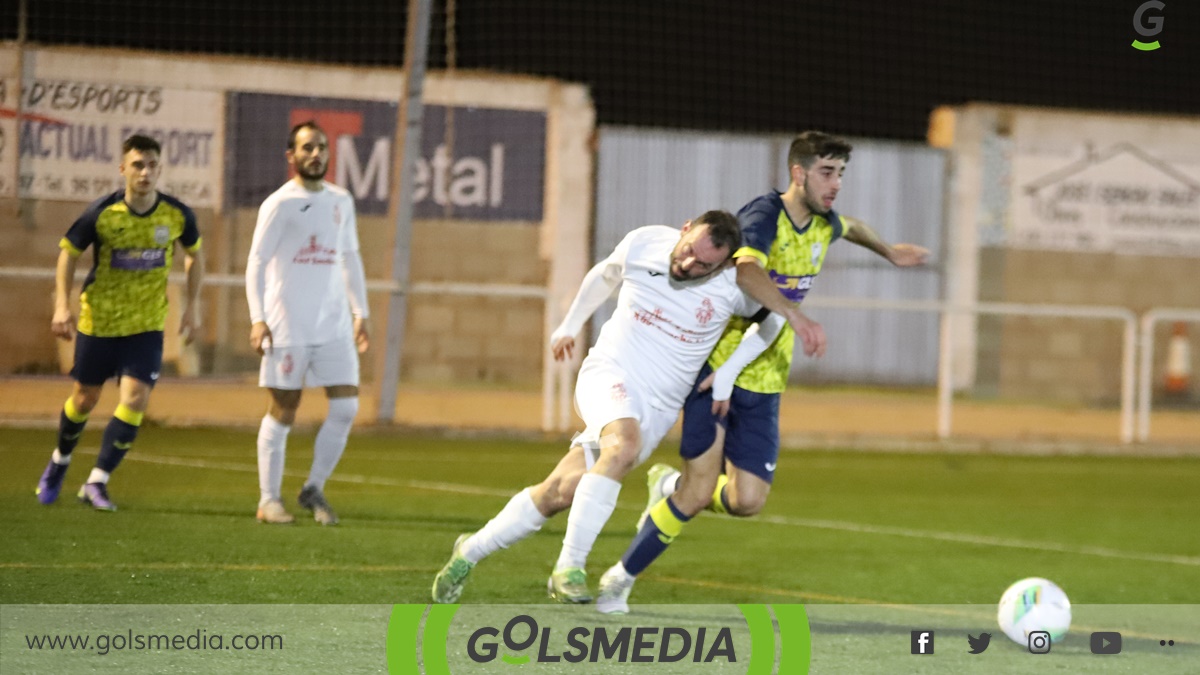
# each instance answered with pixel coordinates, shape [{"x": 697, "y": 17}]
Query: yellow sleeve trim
[
  {"x": 752, "y": 252},
  {"x": 194, "y": 247},
  {"x": 66, "y": 245}
]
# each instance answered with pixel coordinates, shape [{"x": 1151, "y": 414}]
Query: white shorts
[
  {"x": 603, "y": 394},
  {"x": 324, "y": 365}
]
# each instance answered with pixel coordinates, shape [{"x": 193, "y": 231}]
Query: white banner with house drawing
[{"x": 1109, "y": 185}]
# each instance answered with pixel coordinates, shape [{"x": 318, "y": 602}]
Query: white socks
[
  {"x": 59, "y": 458},
  {"x": 272, "y": 444},
  {"x": 98, "y": 476},
  {"x": 595, "y": 499},
  {"x": 518, "y": 519},
  {"x": 331, "y": 439}
]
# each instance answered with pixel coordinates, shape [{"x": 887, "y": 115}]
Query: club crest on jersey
[
  {"x": 618, "y": 392},
  {"x": 337, "y": 214},
  {"x": 162, "y": 234},
  {"x": 817, "y": 248},
  {"x": 315, "y": 254},
  {"x": 704, "y": 313}
]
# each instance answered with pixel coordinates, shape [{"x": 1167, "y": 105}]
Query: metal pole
[
  {"x": 18, "y": 105},
  {"x": 1144, "y": 390},
  {"x": 1128, "y": 377},
  {"x": 945, "y": 390},
  {"x": 408, "y": 126}
]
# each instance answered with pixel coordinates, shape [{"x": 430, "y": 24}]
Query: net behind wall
[{"x": 859, "y": 68}]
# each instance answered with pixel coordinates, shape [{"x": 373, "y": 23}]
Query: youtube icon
[{"x": 1106, "y": 643}]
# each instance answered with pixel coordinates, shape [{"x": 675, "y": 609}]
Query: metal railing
[
  {"x": 948, "y": 312},
  {"x": 1146, "y": 374},
  {"x": 1136, "y": 378}
]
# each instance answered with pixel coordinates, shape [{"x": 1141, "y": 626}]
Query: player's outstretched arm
[
  {"x": 754, "y": 281},
  {"x": 63, "y": 323},
  {"x": 900, "y": 255}
]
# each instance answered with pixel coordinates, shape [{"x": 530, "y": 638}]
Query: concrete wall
[
  {"x": 1066, "y": 249},
  {"x": 459, "y": 338}
]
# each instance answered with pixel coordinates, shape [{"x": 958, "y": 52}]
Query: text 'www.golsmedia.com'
[{"x": 201, "y": 640}]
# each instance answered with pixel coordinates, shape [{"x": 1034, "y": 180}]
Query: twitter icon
[{"x": 979, "y": 644}]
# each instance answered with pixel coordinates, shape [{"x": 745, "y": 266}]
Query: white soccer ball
[{"x": 1034, "y": 604}]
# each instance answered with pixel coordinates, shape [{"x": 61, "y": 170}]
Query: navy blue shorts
[
  {"x": 99, "y": 358},
  {"x": 751, "y": 429}
]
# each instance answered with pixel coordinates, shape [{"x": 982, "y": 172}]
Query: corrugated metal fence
[{"x": 665, "y": 177}]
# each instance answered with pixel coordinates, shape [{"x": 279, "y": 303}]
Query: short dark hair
[
  {"x": 810, "y": 145},
  {"x": 140, "y": 143},
  {"x": 723, "y": 229},
  {"x": 307, "y": 124}
]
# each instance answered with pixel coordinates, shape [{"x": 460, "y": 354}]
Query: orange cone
[{"x": 1179, "y": 362}]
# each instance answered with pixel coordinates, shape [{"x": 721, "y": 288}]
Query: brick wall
[{"x": 1072, "y": 360}]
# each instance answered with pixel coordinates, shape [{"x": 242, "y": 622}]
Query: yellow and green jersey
[
  {"x": 126, "y": 291},
  {"x": 793, "y": 257}
]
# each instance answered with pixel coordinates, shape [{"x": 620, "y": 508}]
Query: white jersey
[
  {"x": 304, "y": 275},
  {"x": 662, "y": 330}
]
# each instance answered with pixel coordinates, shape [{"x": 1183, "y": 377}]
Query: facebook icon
[{"x": 922, "y": 642}]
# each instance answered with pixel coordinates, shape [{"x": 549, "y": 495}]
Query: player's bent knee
[
  {"x": 86, "y": 399},
  {"x": 619, "y": 459},
  {"x": 343, "y": 410},
  {"x": 746, "y": 505}
]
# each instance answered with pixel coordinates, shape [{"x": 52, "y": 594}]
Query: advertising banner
[
  {"x": 1099, "y": 186},
  {"x": 68, "y": 140},
  {"x": 475, "y": 163}
]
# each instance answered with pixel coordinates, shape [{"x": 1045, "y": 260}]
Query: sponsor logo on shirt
[
  {"x": 315, "y": 254},
  {"x": 658, "y": 319},
  {"x": 793, "y": 288},
  {"x": 138, "y": 259}
]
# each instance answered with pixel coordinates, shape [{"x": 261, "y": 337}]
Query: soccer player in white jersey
[
  {"x": 677, "y": 293},
  {"x": 304, "y": 281}
]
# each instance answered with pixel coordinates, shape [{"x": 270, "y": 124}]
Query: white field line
[{"x": 837, "y": 525}]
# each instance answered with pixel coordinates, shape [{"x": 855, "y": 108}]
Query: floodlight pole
[{"x": 408, "y": 127}]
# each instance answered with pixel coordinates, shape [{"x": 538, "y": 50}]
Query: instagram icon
[{"x": 1039, "y": 642}]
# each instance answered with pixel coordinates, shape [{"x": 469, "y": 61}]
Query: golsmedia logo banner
[{"x": 457, "y": 639}]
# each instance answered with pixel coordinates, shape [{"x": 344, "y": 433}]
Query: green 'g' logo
[{"x": 1148, "y": 26}]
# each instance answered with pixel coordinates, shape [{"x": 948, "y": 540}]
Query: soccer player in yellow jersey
[
  {"x": 730, "y": 447},
  {"x": 122, "y": 311}
]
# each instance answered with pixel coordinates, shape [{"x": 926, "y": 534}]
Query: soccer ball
[{"x": 1034, "y": 604}]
